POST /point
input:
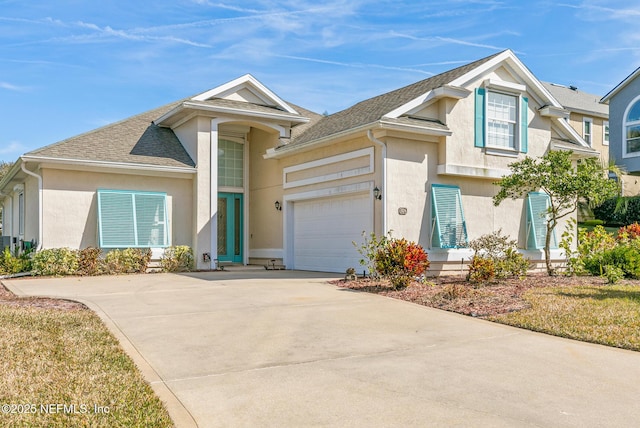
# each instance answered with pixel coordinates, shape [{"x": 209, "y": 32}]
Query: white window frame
[
  {"x": 516, "y": 122},
  {"x": 605, "y": 133},
  {"x": 626, "y": 124},
  {"x": 587, "y": 136},
  {"x": 21, "y": 214}
]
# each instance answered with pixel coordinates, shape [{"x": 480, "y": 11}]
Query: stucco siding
[
  {"x": 265, "y": 188},
  {"x": 71, "y": 215}
]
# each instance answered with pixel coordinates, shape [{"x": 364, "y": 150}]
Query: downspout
[
  {"x": 384, "y": 179},
  {"x": 33, "y": 174}
]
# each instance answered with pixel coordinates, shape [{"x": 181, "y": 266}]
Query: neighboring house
[
  {"x": 587, "y": 116},
  {"x": 624, "y": 113},
  {"x": 242, "y": 176}
]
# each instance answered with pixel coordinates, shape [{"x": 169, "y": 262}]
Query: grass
[
  {"x": 53, "y": 358},
  {"x": 608, "y": 315}
]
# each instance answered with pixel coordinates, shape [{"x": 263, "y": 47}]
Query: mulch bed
[
  {"x": 7, "y": 298},
  {"x": 454, "y": 293}
]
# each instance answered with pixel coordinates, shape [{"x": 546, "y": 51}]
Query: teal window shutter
[
  {"x": 448, "y": 226},
  {"x": 537, "y": 217},
  {"x": 480, "y": 117},
  {"x": 128, "y": 219},
  {"x": 524, "y": 124}
]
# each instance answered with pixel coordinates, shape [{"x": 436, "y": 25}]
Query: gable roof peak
[{"x": 248, "y": 89}]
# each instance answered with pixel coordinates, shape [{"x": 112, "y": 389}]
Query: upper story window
[
  {"x": 501, "y": 119},
  {"x": 632, "y": 130},
  {"x": 605, "y": 133},
  {"x": 587, "y": 130}
]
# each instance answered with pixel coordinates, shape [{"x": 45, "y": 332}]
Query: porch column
[{"x": 213, "y": 196}]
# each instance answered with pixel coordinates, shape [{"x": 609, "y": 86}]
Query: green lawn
[
  {"x": 63, "y": 368},
  {"x": 608, "y": 315}
]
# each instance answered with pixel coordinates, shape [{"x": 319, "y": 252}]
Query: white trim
[
  {"x": 329, "y": 161},
  {"x": 107, "y": 164},
  {"x": 605, "y": 134},
  {"x": 425, "y": 130},
  {"x": 502, "y": 85},
  {"x": 624, "y": 129},
  {"x": 266, "y": 253},
  {"x": 246, "y": 81},
  {"x": 620, "y": 86},
  {"x": 332, "y": 191},
  {"x": 446, "y": 91},
  {"x": 588, "y": 120},
  {"x": 472, "y": 171},
  {"x": 551, "y": 111}
]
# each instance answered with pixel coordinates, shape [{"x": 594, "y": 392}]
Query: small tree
[{"x": 566, "y": 184}]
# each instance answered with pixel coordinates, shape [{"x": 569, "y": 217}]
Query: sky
[{"x": 67, "y": 67}]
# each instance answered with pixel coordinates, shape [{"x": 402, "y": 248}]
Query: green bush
[
  {"x": 177, "y": 259},
  {"x": 11, "y": 264},
  {"x": 619, "y": 211},
  {"x": 128, "y": 260},
  {"x": 55, "y": 262},
  {"x": 400, "y": 261},
  {"x": 89, "y": 262},
  {"x": 369, "y": 249}
]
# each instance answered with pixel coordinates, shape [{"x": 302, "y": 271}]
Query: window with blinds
[{"x": 129, "y": 219}]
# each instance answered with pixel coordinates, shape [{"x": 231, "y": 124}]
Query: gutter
[
  {"x": 40, "y": 223},
  {"x": 384, "y": 178}
]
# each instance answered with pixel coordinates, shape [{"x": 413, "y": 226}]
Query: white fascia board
[
  {"x": 294, "y": 117},
  {"x": 508, "y": 57},
  {"x": 565, "y": 126},
  {"x": 283, "y": 151},
  {"x": 177, "y": 109},
  {"x": 620, "y": 86},
  {"x": 577, "y": 151},
  {"x": 107, "y": 164},
  {"x": 426, "y": 130},
  {"x": 247, "y": 80},
  {"x": 446, "y": 91},
  {"x": 552, "y": 111},
  {"x": 508, "y": 86}
]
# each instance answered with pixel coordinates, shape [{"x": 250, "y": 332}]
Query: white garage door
[{"x": 324, "y": 230}]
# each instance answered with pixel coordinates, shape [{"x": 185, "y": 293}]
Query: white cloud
[
  {"x": 12, "y": 148},
  {"x": 11, "y": 87}
]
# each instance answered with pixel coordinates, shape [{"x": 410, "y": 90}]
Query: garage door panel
[{"x": 324, "y": 231}]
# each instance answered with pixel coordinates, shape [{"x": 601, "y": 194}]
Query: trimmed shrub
[
  {"x": 400, "y": 261},
  {"x": 128, "y": 260},
  {"x": 89, "y": 262},
  {"x": 55, "y": 262},
  {"x": 177, "y": 259},
  {"x": 369, "y": 249}
]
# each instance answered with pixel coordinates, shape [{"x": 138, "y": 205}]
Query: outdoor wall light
[
  {"x": 377, "y": 193},
  {"x": 278, "y": 206}
]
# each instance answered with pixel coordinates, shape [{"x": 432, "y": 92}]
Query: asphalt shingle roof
[
  {"x": 133, "y": 140},
  {"x": 577, "y": 99},
  {"x": 373, "y": 109}
]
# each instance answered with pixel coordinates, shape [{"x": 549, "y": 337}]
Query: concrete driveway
[{"x": 286, "y": 349}]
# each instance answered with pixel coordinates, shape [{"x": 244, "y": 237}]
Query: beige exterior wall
[
  {"x": 71, "y": 214},
  {"x": 576, "y": 120},
  {"x": 265, "y": 188}
]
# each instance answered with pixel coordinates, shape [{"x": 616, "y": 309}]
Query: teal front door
[{"x": 230, "y": 227}]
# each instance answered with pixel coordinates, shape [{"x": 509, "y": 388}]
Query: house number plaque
[{"x": 402, "y": 211}]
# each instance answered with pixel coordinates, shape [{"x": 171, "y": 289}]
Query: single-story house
[{"x": 242, "y": 176}]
